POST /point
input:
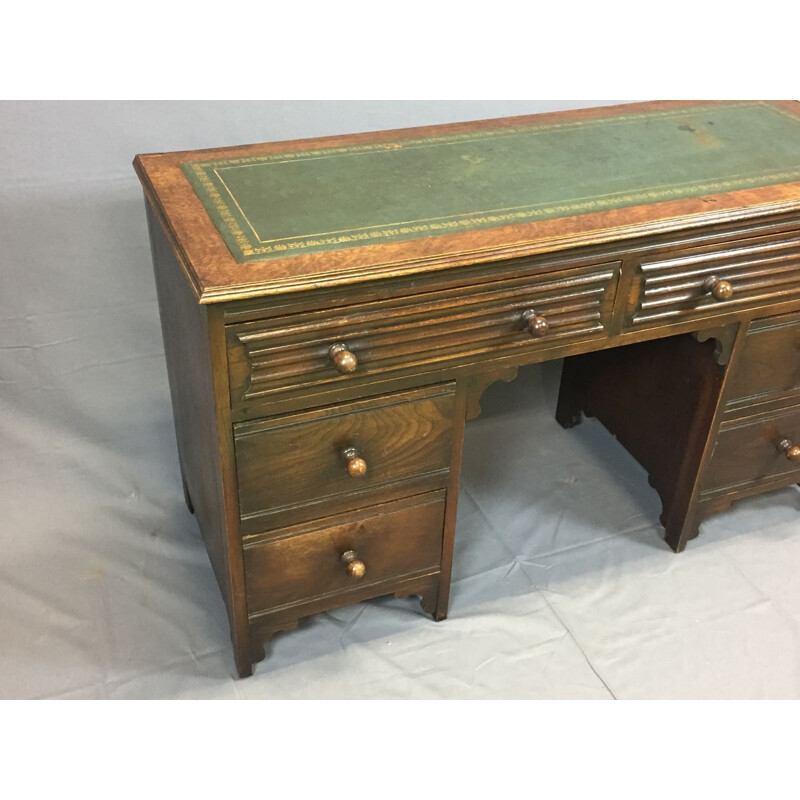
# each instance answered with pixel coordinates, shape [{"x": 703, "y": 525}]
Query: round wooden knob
[
  {"x": 344, "y": 361},
  {"x": 354, "y": 566},
  {"x": 356, "y": 466},
  {"x": 535, "y": 323},
  {"x": 791, "y": 451},
  {"x": 719, "y": 290}
]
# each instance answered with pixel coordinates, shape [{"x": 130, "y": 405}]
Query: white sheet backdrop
[{"x": 562, "y": 587}]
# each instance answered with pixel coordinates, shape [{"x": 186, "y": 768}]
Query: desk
[{"x": 333, "y": 309}]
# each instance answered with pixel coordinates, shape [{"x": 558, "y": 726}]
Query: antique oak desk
[{"x": 333, "y": 308}]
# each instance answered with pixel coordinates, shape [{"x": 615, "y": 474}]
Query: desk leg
[
  {"x": 660, "y": 401},
  {"x": 460, "y": 418},
  {"x": 571, "y": 395}
]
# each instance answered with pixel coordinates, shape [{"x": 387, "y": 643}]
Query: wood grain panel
[
  {"x": 187, "y": 352},
  {"x": 294, "y": 467},
  {"x": 192, "y": 340},
  {"x": 219, "y": 278},
  {"x": 659, "y": 399},
  {"x": 394, "y": 541},
  {"x": 748, "y": 452},
  {"x": 769, "y": 365}
]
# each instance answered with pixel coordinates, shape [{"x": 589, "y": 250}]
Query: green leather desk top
[{"x": 287, "y": 203}]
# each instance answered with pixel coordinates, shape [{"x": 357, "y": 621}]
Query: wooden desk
[{"x": 333, "y": 309}]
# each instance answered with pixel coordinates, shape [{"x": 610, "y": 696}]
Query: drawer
[
  {"x": 312, "y": 464},
  {"x": 769, "y": 364},
  {"x": 267, "y": 357},
  {"x": 712, "y": 280},
  {"x": 393, "y": 541},
  {"x": 751, "y": 451}
]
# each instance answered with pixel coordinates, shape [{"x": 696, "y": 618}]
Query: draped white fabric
[{"x": 562, "y": 585}]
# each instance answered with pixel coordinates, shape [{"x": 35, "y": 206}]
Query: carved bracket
[
  {"x": 261, "y": 638},
  {"x": 476, "y": 385},
  {"x": 425, "y": 587},
  {"x": 723, "y": 339},
  {"x": 428, "y": 597}
]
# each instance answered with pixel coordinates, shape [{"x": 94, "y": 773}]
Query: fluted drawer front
[
  {"x": 396, "y": 540},
  {"x": 332, "y": 347},
  {"x": 759, "y": 449},
  {"x": 705, "y": 282},
  {"x": 308, "y": 465}
]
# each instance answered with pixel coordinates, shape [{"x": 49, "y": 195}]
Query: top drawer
[
  {"x": 267, "y": 357},
  {"x": 705, "y": 281}
]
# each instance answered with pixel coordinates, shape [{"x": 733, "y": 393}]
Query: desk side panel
[{"x": 188, "y": 332}]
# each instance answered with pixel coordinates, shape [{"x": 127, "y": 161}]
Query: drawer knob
[
  {"x": 719, "y": 290},
  {"x": 535, "y": 323},
  {"x": 354, "y": 566},
  {"x": 344, "y": 361},
  {"x": 791, "y": 451},
  {"x": 356, "y": 466}
]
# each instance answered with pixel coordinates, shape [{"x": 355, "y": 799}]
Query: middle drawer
[{"x": 312, "y": 464}]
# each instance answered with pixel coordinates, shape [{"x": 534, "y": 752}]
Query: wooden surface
[
  {"x": 295, "y": 466},
  {"x": 394, "y": 541},
  {"x": 748, "y": 451},
  {"x": 758, "y": 270},
  {"x": 320, "y": 403},
  {"x": 216, "y": 275},
  {"x": 770, "y": 362},
  {"x": 659, "y": 399},
  {"x": 192, "y": 345},
  {"x": 289, "y": 353}
]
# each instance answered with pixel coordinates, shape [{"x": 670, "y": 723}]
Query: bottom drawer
[
  {"x": 386, "y": 542},
  {"x": 756, "y": 449}
]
